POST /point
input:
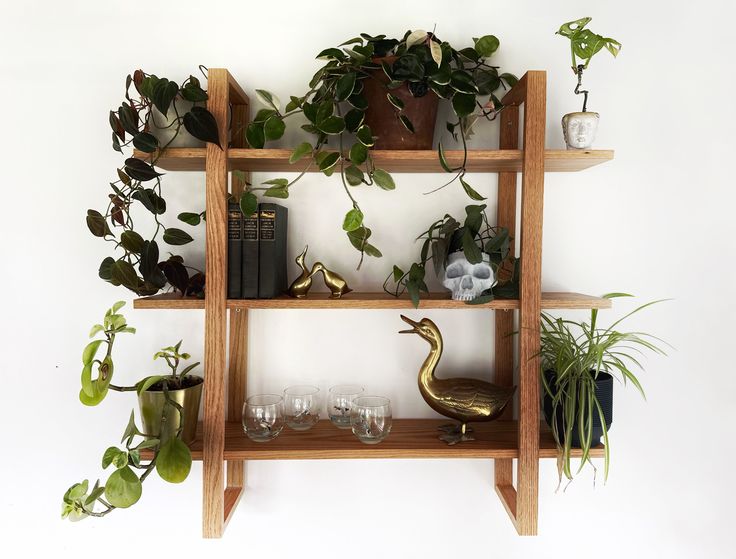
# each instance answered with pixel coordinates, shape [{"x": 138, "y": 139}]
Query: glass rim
[
  {"x": 347, "y": 389},
  {"x": 385, "y": 401},
  {"x": 251, "y": 400},
  {"x": 294, "y": 390}
]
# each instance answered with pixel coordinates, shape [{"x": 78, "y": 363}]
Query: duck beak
[{"x": 410, "y": 322}]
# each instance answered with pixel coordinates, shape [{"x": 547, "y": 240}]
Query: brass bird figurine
[
  {"x": 462, "y": 399},
  {"x": 301, "y": 285},
  {"x": 337, "y": 285}
]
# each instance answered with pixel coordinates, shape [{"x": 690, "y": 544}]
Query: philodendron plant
[
  {"x": 584, "y": 45},
  {"x": 474, "y": 238},
  {"x": 137, "y": 263},
  {"x": 335, "y": 107},
  {"x": 171, "y": 458}
]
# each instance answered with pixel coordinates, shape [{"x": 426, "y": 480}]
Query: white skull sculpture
[{"x": 467, "y": 281}]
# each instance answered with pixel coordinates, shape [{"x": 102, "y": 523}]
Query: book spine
[
  {"x": 249, "y": 263},
  {"x": 234, "y": 249},
  {"x": 273, "y": 223}
]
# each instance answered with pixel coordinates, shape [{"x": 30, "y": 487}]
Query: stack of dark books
[{"x": 256, "y": 252}]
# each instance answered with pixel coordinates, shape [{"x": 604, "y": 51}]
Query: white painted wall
[{"x": 656, "y": 222}]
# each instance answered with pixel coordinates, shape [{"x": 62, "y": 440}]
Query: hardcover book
[
  {"x": 273, "y": 224},
  {"x": 234, "y": 249},
  {"x": 249, "y": 262}
]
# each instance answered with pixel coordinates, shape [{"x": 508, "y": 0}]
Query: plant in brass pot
[
  {"x": 378, "y": 92},
  {"x": 580, "y": 128},
  {"x": 472, "y": 258},
  {"x": 156, "y": 113},
  {"x": 169, "y": 407},
  {"x": 579, "y": 362}
]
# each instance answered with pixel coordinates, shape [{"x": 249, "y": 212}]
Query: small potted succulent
[
  {"x": 379, "y": 92},
  {"x": 156, "y": 113},
  {"x": 472, "y": 259},
  {"x": 579, "y": 128},
  {"x": 579, "y": 362},
  {"x": 169, "y": 407}
]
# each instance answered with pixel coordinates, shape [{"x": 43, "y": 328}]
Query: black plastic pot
[{"x": 604, "y": 394}]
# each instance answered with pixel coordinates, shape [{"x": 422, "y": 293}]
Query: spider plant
[{"x": 578, "y": 353}]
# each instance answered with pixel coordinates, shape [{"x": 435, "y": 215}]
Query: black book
[
  {"x": 249, "y": 262},
  {"x": 234, "y": 249},
  {"x": 273, "y": 223}
]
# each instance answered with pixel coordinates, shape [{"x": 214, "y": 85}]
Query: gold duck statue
[
  {"x": 300, "y": 287},
  {"x": 462, "y": 399}
]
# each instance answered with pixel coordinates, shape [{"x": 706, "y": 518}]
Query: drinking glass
[
  {"x": 301, "y": 407},
  {"x": 340, "y": 401},
  {"x": 370, "y": 418},
  {"x": 263, "y": 417}
]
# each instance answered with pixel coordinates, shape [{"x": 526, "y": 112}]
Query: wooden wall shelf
[
  {"x": 357, "y": 300},
  {"x": 394, "y": 161},
  {"x": 409, "y": 438}
]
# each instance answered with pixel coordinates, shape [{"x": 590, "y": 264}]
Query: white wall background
[{"x": 657, "y": 222}]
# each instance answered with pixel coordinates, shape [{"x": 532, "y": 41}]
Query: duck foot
[{"x": 455, "y": 433}]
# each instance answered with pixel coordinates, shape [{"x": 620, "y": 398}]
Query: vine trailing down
[
  {"x": 335, "y": 107},
  {"x": 137, "y": 263}
]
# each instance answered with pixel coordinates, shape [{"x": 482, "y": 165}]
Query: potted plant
[
  {"x": 579, "y": 362},
  {"x": 472, "y": 259},
  {"x": 169, "y": 407},
  {"x": 374, "y": 91},
  {"x": 156, "y": 113},
  {"x": 579, "y": 128}
]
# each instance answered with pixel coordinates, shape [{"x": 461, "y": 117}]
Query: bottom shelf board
[{"x": 409, "y": 438}]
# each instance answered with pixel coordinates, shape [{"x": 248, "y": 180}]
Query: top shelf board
[{"x": 395, "y": 161}]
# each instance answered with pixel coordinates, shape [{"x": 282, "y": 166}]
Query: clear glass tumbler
[
  {"x": 340, "y": 401},
  {"x": 301, "y": 407},
  {"x": 263, "y": 417},
  {"x": 370, "y": 418}
]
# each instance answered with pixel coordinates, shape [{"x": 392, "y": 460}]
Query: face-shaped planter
[
  {"x": 467, "y": 281},
  {"x": 579, "y": 129}
]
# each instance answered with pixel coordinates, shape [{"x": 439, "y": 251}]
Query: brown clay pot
[{"x": 381, "y": 114}]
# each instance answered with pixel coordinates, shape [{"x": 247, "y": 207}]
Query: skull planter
[{"x": 467, "y": 281}]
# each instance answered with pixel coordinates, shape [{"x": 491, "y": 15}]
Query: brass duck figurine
[
  {"x": 334, "y": 281},
  {"x": 301, "y": 285},
  {"x": 462, "y": 399}
]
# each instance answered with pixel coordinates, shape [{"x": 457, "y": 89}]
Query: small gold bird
[
  {"x": 462, "y": 399},
  {"x": 301, "y": 285},
  {"x": 334, "y": 281}
]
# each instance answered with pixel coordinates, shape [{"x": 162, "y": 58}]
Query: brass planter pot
[{"x": 164, "y": 424}]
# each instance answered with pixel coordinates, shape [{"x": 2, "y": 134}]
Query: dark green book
[
  {"x": 273, "y": 225},
  {"x": 234, "y": 249},
  {"x": 249, "y": 260}
]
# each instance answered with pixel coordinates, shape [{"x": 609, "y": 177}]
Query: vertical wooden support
[
  {"x": 213, "y": 509},
  {"x": 532, "y": 195},
  {"x": 504, "y": 341}
]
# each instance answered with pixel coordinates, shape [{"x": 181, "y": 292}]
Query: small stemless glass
[
  {"x": 301, "y": 407},
  {"x": 370, "y": 418},
  {"x": 263, "y": 417},
  {"x": 339, "y": 403}
]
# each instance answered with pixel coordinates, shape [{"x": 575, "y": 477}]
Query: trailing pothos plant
[
  {"x": 474, "y": 237},
  {"x": 584, "y": 44},
  {"x": 138, "y": 263},
  {"x": 171, "y": 459},
  {"x": 577, "y": 352},
  {"x": 335, "y": 107}
]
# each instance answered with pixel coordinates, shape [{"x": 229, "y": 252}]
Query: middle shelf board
[
  {"x": 409, "y": 438},
  {"x": 381, "y": 300}
]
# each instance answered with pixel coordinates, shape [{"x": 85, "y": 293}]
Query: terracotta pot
[{"x": 381, "y": 114}]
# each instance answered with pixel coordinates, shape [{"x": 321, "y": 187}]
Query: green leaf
[
  {"x": 95, "y": 329},
  {"x": 353, "y": 220},
  {"x": 148, "y": 443},
  {"x": 344, "y": 86},
  {"x": 132, "y": 241},
  {"x": 353, "y": 119},
  {"x": 120, "y": 460},
  {"x": 302, "y": 150},
  {"x": 462, "y": 81},
  {"x": 88, "y": 387},
  {"x": 148, "y": 266},
  {"x": 176, "y": 237},
  {"x": 370, "y": 250},
  {"x": 174, "y": 461},
  {"x": 263, "y": 115},
  {"x": 510, "y": 79},
  {"x": 277, "y": 182},
  {"x": 358, "y": 101},
  {"x": 130, "y": 430},
  {"x": 145, "y": 142},
  {"x": 248, "y": 204},
  {"x": 328, "y": 161},
  {"x": 407, "y": 123},
  {"x": 140, "y": 170},
  {"x": 365, "y": 136},
  {"x": 331, "y": 125},
  {"x": 255, "y": 135},
  {"x": 358, "y": 154},
  {"x": 469, "y": 190},
  {"x": 200, "y": 123},
  {"x": 463, "y": 104},
  {"x": 331, "y": 53},
  {"x": 190, "y": 218},
  {"x": 274, "y": 128},
  {"x": 123, "y": 488},
  {"x": 193, "y": 93},
  {"x": 97, "y": 224},
  {"x": 324, "y": 110},
  {"x": 470, "y": 249},
  {"x": 163, "y": 94},
  {"x": 443, "y": 159},
  {"x": 395, "y": 101},
  {"x": 147, "y": 383},
  {"x": 413, "y": 288},
  {"x": 353, "y": 175},
  {"x": 486, "y": 45},
  {"x": 277, "y": 192},
  {"x": 268, "y": 98},
  {"x": 383, "y": 179},
  {"x": 124, "y": 273},
  {"x": 398, "y": 273},
  {"x": 150, "y": 200}
]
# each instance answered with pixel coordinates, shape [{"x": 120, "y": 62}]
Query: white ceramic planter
[{"x": 579, "y": 129}]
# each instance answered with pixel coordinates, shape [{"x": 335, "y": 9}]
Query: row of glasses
[{"x": 264, "y": 415}]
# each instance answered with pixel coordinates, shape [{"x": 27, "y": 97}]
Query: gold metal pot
[{"x": 164, "y": 424}]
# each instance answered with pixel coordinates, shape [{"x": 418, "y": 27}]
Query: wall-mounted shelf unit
[{"x": 221, "y": 440}]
